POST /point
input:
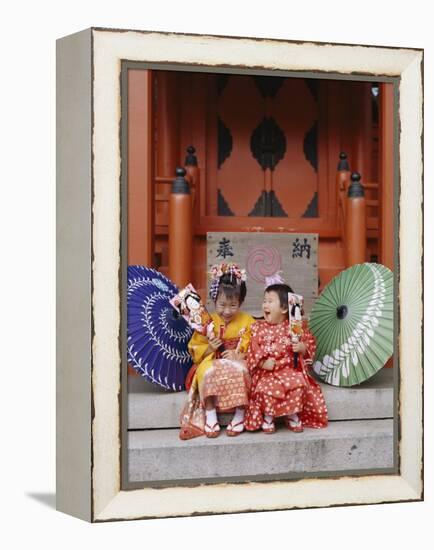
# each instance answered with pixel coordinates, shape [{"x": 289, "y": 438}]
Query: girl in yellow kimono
[{"x": 222, "y": 379}]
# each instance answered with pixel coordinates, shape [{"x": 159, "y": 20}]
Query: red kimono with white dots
[{"x": 286, "y": 389}]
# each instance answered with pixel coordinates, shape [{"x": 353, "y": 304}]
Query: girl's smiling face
[
  {"x": 274, "y": 313},
  {"x": 227, "y": 307}
]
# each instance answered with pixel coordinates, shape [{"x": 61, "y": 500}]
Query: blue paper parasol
[{"x": 157, "y": 337}]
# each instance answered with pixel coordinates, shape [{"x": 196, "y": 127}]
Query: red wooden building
[{"x": 266, "y": 157}]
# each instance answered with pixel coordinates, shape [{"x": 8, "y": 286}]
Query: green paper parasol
[{"x": 352, "y": 321}]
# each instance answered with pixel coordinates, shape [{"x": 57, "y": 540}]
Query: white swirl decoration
[
  {"x": 366, "y": 341},
  {"x": 263, "y": 261}
]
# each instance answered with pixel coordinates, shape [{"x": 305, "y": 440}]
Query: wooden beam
[{"x": 140, "y": 168}]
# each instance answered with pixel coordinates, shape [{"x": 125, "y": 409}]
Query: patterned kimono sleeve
[
  {"x": 245, "y": 338},
  {"x": 197, "y": 347},
  {"x": 255, "y": 353},
  {"x": 309, "y": 340}
]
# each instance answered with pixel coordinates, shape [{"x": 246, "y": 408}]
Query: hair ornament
[
  {"x": 275, "y": 279},
  {"x": 217, "y": 271}
]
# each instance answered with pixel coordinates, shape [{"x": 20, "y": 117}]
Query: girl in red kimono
[{"x": 279, "y": 387}]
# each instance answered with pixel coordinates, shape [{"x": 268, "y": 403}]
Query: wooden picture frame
[{"x": 90, "y": 318}]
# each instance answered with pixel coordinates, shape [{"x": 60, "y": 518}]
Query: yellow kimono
[{"x": 228, "y": 381}]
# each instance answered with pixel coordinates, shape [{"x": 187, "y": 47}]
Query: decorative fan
[
  {"x": 157, "y": 336},
  {"x": 352, "y": 321}
]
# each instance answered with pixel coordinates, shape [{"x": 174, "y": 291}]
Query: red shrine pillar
[
  {"x": 387, "y": 169},
  {"x": 141, "y": 216},
  {"x": 355, "y": 229},
  {"x": 180, "y": 231}
]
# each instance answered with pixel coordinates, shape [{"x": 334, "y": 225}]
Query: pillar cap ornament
[
  {"x": 180, "y": 184},
  {"x": 343, "y": 165},
  {"x": 356, "y": 189},
  {"x": 191, "y": 158}
]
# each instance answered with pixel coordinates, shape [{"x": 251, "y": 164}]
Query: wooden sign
[{"x": 262, "y": 255}]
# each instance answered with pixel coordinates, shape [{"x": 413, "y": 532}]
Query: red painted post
[
  {"x": 355, "y": 229},
  {"x": 180, "y": 231},
  {"x": 140, "y": 168}
]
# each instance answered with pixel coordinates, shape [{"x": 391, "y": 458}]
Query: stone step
[
  {"x": 158, "y": 455},
  {"x": 152, "y": 407}
]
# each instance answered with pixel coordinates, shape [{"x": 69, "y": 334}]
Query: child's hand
[
  {"x": 215, "y": 343},
  {"x": 230, "y": 354},
  {"x": 268, "y": 364},
  {"x": 299, "y": 347}
]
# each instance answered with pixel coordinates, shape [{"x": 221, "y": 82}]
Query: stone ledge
[
  {"x": 151, "y": 407},
  {"x": 342, "y": 446}
]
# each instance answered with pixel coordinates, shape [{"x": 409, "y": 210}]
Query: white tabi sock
[
  {"x": 238, "y": 418},
  {"x": 268, "y": 421},
  {"x": 211, "y": 420}
]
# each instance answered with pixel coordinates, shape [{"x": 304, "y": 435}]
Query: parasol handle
[
  {"x": 221, "y": 348},
  {"x": 295, "y": 340}
]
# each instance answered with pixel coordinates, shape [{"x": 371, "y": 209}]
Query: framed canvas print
[{"x": 239, "y": 274}]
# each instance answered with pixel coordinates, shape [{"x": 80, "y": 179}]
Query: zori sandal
[
  {"x": 268, "y": 426},
  {"x": 293, "y": 425},
  {"x": 212, "y": 431},
  {"x": 230, "y": 429}
]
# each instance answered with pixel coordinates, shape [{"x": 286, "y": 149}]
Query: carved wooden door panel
[{"x": 267, "y": 158}]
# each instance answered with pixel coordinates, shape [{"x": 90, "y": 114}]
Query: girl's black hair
[
  {"x": 282, "y": 291},
  {"x": 230, "y": 287}
]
